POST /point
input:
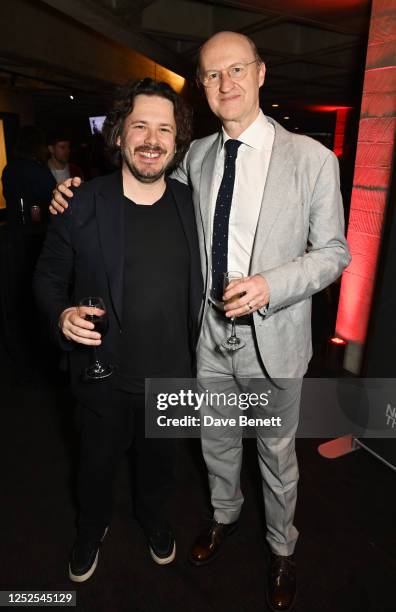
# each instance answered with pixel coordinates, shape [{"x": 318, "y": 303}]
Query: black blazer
[{"x": 84, "y": 255}]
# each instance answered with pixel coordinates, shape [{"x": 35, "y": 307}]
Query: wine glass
[
  {"x": 94, "y": 310},
  {"x": 233, "y": 343}
]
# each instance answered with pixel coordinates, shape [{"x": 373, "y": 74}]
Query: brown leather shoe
[
  {"x": 281, "y": 588},
  {"x": 207, "y": 545}
]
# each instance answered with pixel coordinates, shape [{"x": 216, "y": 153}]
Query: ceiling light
[
  {"x": 286, "y": 117},
  {"x": 275, "y": 105}
]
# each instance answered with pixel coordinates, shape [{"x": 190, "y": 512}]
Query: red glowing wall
[{"x": 372, "y": 174}]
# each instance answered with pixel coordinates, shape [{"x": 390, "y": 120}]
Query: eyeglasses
[{"x": 236, "y": 72}]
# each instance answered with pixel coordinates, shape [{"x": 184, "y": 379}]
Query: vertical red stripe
[
  {"x": 371, "y": 180},
  {"x": 339, "y": 135}
]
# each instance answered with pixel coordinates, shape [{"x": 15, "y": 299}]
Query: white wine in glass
[{"x": 233, "y": 343}]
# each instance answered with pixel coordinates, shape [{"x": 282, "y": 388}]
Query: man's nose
[
  {"x": 226, "y": 83},
  {"x": 151, "y": 137}
]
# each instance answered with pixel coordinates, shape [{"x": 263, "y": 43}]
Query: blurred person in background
[
  {"x": 27, "y": 188},
  {"x": 59, "y": 161},
  {"x": 27, "y": 176}
]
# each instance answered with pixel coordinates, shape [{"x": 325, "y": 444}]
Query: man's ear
[
  {"x": 50, "y": 149},
  {"x": 261, "y": 74},
  {"x": 118, "y": 141}
]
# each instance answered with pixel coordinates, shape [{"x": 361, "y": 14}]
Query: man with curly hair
[{"x": 131, "y": 240}]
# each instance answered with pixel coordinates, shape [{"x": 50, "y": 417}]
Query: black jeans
[{"x": 103, "y": 441}]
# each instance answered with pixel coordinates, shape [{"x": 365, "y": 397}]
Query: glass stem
[
  {"x": 233, "y": 334},
  {"x": 95, "y": 354}
]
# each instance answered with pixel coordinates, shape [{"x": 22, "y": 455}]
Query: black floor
[{"x": 346, "y": 554}]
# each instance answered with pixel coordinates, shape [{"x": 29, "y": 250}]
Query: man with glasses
[{"x": 268, "y": 204}]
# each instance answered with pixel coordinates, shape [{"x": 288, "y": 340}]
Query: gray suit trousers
[{"x": 242, "y": 371}]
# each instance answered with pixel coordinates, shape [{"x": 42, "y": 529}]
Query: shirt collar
[{"x": 257, "y": 136}]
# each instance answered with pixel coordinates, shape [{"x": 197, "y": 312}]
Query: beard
[{"x": 148, "y": 176}]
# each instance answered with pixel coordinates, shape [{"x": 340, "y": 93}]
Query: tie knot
[{"x": 231, "y": 147}]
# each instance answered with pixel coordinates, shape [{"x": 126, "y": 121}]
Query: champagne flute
[
  {"x": 93, "y": 309},
  {"x": 233, "y": 343}
]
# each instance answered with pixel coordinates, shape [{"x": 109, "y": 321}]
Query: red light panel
[{"x": 372, "y": 175}]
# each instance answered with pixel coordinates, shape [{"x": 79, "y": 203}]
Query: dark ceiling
[{"x": 314, "y": 49}]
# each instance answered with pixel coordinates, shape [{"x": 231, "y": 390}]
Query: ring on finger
[{"x": 249, "y": 307}]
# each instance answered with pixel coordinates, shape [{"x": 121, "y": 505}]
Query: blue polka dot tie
[{"x": 221, "y": 219}]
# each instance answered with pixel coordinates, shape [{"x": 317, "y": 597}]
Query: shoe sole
[
  {"x": 88, "y": 574},
  {"x": 214, "y": 557},
  {"x": 163, "y": 560}
]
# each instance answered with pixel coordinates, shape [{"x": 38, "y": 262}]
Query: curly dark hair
[{"x": 123, "y": 105}]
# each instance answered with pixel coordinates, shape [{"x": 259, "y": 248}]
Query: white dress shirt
[{"x": 251, "y": 170}]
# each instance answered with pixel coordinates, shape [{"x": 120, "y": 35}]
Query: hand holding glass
[
  {"x": 233, "y": 343},
  {"x": 93, "y": 309}
]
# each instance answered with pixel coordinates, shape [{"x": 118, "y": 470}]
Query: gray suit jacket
[{"x": 299, "y": 246}]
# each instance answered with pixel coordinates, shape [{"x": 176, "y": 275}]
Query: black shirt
[{"x": 155, "y": 336}]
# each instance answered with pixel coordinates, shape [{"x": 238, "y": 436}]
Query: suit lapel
[
  {"x": 205, "y": 190},
  {"x": 182, "y": 208},
  {"x": 185, "y": 211},
  {"x": 279, "y": 179},
  {"x": 110, "y": 221}
]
